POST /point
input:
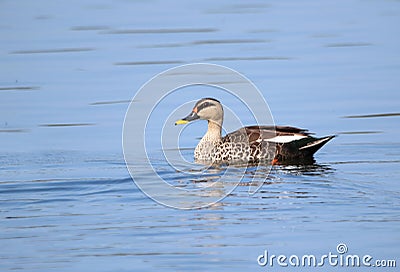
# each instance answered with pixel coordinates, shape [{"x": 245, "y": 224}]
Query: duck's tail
[
  {"x": 300, "y": 151},
  {"x": 314, "y": 144}
]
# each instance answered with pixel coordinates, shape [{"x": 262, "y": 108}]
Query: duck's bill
[
  {"x": 192, "y": 116},
  {"x": 181, "y": 122}
]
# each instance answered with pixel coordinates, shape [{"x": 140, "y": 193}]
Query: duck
[{"x": 251, "y": 144}]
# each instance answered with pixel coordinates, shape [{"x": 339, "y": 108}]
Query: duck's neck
[
  {"x": 209, "y": 141},
  {"x": 213, "y": 133}
]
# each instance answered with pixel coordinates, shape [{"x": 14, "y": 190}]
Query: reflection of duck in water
[{"x": 253, "y": 144}]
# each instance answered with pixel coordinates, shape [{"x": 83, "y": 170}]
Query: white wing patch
[
  {"x": 315, "y": 143},
  {"x": 286, "y": 138}
]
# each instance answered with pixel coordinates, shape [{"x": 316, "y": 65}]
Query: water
[{"x": 69, "y": 70}]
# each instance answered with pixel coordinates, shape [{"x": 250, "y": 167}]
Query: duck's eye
[{"x": 204, "y": 105}]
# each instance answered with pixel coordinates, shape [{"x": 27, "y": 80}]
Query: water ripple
[
  {"x": 60, "y": 50},
  {"x": 160, "y": 31},
  {"x": 373, "y": 115}
]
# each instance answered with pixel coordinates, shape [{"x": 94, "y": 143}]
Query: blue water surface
[{"x": 69, "y": 70}]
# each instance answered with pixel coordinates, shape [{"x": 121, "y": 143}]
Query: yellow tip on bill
[{"x": 181, "y": 122}]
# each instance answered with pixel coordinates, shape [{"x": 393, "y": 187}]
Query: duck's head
[{"x": 209, "y": 109}]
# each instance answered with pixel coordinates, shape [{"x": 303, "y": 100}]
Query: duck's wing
[
  {"x": 296, "y": 144},
  {"x": 290, "y": 130},
  {"x": 277, "y": 134},
  {"x": 251, "y": 134},
  {"x": 295, "y": 138},
  {"x": 284, "y": 134}
]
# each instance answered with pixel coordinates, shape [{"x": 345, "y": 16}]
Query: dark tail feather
[
  {"x": 313, "y": 146},
  {"x": 300, "y": 151}
]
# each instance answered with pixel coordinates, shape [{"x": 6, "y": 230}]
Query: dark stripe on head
[
  {"x": 203, "y": 103},
  {"x": 204, "y": 99}
]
